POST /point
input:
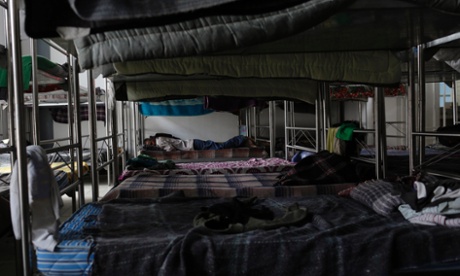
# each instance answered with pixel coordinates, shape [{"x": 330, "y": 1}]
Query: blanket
[
  {"x": 148, "y": 185},
  {"x": 253, "y": 165},
  {"x": 339, "y": 237}
]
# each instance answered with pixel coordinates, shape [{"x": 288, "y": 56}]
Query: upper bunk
[
  {"x": 235, "y": 48},
  {"x": 257, "y": 49}
]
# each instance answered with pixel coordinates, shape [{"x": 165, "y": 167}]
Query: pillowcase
[{"x": 379, "y": 195}]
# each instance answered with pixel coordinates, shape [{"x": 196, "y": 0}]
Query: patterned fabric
[
  {"x": 340, "y": 237},
  {"x": 73, "y": 255},
  {"x": 342, "y": 92},
  {"x": 253, "y": 165},
  {"x": 378, "y": 195},
  {"x": 206, "y": 154},
  {"x": 147, "y": 185},
  {"x": 60, "y": 114}
]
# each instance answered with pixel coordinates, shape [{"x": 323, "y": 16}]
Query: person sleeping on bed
[{"x": 170, "y": 143}]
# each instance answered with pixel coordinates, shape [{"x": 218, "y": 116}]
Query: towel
[{"x": 44, "y": 200}]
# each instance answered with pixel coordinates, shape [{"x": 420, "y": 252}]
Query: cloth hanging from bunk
[
  {"x": 345, "y": 131},
  {"x": 44, "y": 200},
  {"x": 179, "y": 107},
  {"x": 60, "y": 114},
  {"x": 333, "y": 144}
]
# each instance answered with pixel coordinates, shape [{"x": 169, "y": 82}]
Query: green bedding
[
  {"x": 370, "y": 67},
  {"x": 43, "y": 64}
]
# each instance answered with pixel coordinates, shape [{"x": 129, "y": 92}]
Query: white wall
[{"x": 216, "y": 126}]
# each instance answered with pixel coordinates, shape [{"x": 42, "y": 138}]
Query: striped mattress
[{"x": 73, "y": 255}]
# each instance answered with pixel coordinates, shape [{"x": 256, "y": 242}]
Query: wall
[{"x": 217, "y": 126}]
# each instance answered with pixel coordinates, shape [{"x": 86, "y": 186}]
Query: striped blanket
[
  {"x": 147, "y": 185},
  {"x": 340, "y": 236}
]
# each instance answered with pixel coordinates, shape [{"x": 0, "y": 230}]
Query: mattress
[
  {"x": 170, "y": 88},
  {"x": 49, "y": 73},
  {"x": 148, "y": 185},
  {"x": 72, "y": 255},
  {"x": 355, "y": 67},
  {"x": 221, "y": 31}
]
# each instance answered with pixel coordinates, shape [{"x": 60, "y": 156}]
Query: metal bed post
[
  {"x": 324, "y": 111},
  {"x": 114, "y": 142},
  {"x": 15, "y": 79},
  {"x": 381, "y": 132},
  {"x": 421, "y": 100},
  {"x": 286, "y": 130},
  {"x": 35, "y": 107},
  {"x": 411, "y": 127},
  {"x": 109, "y": 121},
  {"x": 133, "y": 136},
  {"x": 70, "y": 131},
  {"x": 272, "y": 127},
  {"x": 75, "y": 81},
  {"x": 93, "y": 136},
  {"x": 454, "y": 100},
  {"x": 123, "y": 132}
]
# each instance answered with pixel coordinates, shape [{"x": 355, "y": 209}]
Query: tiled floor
[{"x": 66, "y": 210}]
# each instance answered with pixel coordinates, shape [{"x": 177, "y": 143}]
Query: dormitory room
[{"x": 228, "y": 137}]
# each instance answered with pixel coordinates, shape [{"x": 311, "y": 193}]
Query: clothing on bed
[
  {"x": 172, "y": 143},
  {"x": 44, "y": 200},
  {"x": 321, "y": 168}
]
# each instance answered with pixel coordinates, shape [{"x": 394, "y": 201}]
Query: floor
[
  {"x": 66, "y": 210},
  {"x": 8, "y": 244}
]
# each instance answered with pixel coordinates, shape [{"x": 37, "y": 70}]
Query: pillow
[{"x": 379, "y": 195}]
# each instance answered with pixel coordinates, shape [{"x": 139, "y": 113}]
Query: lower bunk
[
  {"x": 151, "y": 185},
  {"x": 309, "y": 235},
  {"x": 206, "y": 155},
  {"x": 252, "y": 165}
]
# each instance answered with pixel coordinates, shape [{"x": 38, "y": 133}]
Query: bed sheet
[
  {"x": 337, "y": 236},
  {"x": 148, "y": 185},
  {"x": 253, "y": 165}
]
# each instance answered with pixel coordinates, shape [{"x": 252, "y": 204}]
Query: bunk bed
[
  {"x": 46, "y": 85},
  {"x": 331, "y": 232}
]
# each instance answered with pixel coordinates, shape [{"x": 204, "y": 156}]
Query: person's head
[{"x": 149, "y": 142}]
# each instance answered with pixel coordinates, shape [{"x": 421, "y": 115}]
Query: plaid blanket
[
  {"x": 340, "y": 237},
  {"x": 321, "y": 168},
  {"x": 60, "y": 114},
  {"x": 206, "y": 154},
  {"x": 148, "y": 185}
]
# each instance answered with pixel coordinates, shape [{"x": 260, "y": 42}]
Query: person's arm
[{"x": 170, "y": 144}]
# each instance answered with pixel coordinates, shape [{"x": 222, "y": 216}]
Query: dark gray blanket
[{"x": 340, "y": 237}]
